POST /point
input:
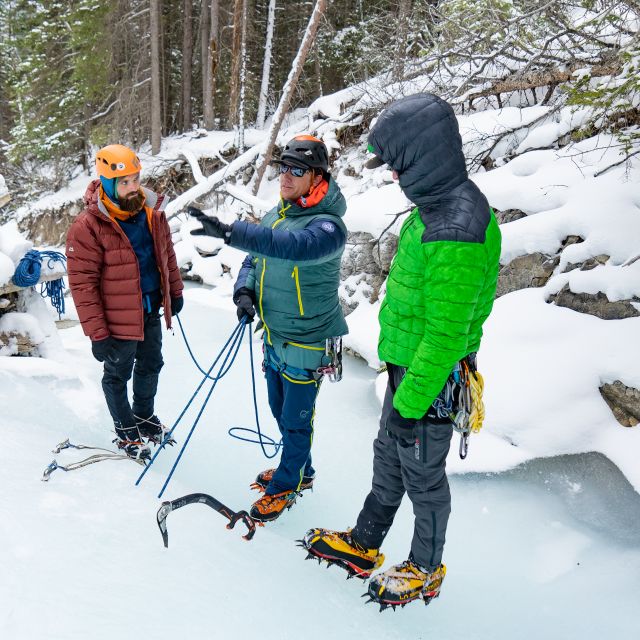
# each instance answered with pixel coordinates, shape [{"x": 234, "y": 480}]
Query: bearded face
[{"x": 132, "y": 202}]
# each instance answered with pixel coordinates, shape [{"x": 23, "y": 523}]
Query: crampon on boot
[
  {"x": 129, "y": 440},
  {"x": 404, "y": 583},
  {"x": 339, "y": 547},
  {"x": 270, "y": 507},
  {"x": 152, "y": 429},
  {"x": 264, "y": 478}
]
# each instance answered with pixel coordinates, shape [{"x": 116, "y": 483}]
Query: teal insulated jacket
[
  {"x": 442, "y": 281},
  {"x": 292, "y": 271}
]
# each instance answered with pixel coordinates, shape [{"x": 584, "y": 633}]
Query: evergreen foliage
[{"x": 76, "y": 74}]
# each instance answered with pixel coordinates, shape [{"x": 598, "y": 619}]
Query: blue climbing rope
[
  {"x": 230, "y": 351},
  {"x": 262, "y": 439},
  {"x": 186, "y": 342},
  {"x": 28, "y": 271}
]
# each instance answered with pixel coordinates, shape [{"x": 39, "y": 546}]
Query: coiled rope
[{"x": 27, "y": 274}]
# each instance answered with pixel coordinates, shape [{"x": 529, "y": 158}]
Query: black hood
[{"x": 418, "y": 137}]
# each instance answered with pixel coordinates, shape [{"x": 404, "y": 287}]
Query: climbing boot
[
  {"x": 404, "y": 583},
  {"x": 270, "y": 507},
  {"x": 152, "y": 429},
  {"x": 264, "y": 478},
  {"x": 339, "y": 547},
  {"x": 129, "y": 441}
]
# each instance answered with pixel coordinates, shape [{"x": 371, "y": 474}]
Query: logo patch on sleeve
[{"x": 328, "y": 227}]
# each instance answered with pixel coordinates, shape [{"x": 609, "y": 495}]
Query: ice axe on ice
[{"x": 171, "y": 505}]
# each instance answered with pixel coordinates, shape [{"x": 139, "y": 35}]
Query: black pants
[
  {"x": 144, "y": 360},
  {"x": 417, "y": 470}
]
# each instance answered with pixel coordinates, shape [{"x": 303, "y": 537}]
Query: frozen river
[{"x": 550, "y": 549}]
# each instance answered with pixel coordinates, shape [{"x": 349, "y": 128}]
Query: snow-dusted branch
[{"x": 213, "y": 181}]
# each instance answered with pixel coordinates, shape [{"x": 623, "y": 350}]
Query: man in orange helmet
[{"x": 122, "y": 270}]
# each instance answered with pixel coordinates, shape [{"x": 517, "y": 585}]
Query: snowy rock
[
  {"x": 365, "y": 266},
  {"x": 12, "y": 242},
  {"x": 595, "y": 304},
  {"x": 509, "y": 215},
  {"x": 20, "y": 334},
  {"x": 587, "y": 265},
  {"x": 623, "y": 401},
  {"x": 531, "y": 270},
  {"x": 7, "y": 269},
  {"x": 50, "y": 226}
]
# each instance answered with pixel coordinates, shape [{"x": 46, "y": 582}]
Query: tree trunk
[
  {"x": 235, "y": 63},
  {"x": 266, "y": 66},
  {"x": 243, "y": 77},
  {"x": 212, "y": 66},
  {"x": 289, "y": 87},
  {"x": 156, "y": 118},
  {"x": 204, "y": 49},
  {"x": 401, "y": 48},
  {"x": 187, "y": 56}
]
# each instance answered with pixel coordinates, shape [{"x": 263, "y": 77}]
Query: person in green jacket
[
  {"x": 291, "y": 277},
  {"x": 440, "y": 290}
]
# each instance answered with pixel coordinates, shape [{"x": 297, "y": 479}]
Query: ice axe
[{"x": 171, "y": 505}]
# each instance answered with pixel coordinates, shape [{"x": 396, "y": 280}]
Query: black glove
[
  {"x": 211, "y": 226},
  {"x": 101, "y": 348},
  {"x": 244, "y": 304},
  {"x": 176, "y": 305},
  {"x": 400, "y": 429}
]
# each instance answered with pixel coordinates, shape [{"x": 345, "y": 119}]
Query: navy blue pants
[
  {"x": 143, "y": 358},
  {"x": 292, "y": 403}
]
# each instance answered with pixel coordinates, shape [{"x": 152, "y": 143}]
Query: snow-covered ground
[
  {"x": 549, "y": 549},
  {"x": 544, "y": 538}
]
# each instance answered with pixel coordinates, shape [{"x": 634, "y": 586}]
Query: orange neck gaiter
[
  {"x": 314, "y": 196},
  {"x": 113, "y": 209}
]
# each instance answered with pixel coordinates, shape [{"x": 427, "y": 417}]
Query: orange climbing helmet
[{"x": 117, "y": 161}]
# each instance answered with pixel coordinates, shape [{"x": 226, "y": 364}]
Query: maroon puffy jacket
[{"x": 103, "y": 269}]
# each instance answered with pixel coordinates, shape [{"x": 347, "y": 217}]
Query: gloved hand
[
  {"x": 101, "y": 348},
  {"x": 245, "y": 307},
  {"x": 176, "y": 305},
  {"x": 211, "y": 226},
  {"x": 401, "y": 429}
]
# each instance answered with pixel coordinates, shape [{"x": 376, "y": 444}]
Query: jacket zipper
[
  {"x": 294, "y": 275},
  {"x": 266, "y": 326}
]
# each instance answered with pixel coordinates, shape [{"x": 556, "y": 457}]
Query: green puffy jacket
[{"x": 438, "y": 295}]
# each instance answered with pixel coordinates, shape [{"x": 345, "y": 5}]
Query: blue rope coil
[{"x": 28, "y": 271}]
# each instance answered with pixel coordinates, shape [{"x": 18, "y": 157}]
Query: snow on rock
[
  {"x": 7, "y": 269},
  {"x": 13, "y": 243}
]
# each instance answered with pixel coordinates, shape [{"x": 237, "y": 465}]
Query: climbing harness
[
  {"x": 27, "y": 274},
  {"x": 202, "y": 498},
  {"x": 106, "y": 454}
]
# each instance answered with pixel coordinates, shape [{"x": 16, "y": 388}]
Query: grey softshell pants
[{"x": 418, "y": 469}]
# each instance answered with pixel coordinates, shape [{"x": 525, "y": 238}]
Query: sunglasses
[{"x": 296, "y": 172}]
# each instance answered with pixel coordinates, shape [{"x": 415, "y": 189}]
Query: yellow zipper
[
  {"x": 281, "y": 213},
  {"x": 294, "y": 275},
  {"x": 266, "y": 327}
]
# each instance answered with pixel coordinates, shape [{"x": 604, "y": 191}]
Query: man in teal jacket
[
  {"x": 291, "y": 276},
  {"x": 440, "y": 290}
]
